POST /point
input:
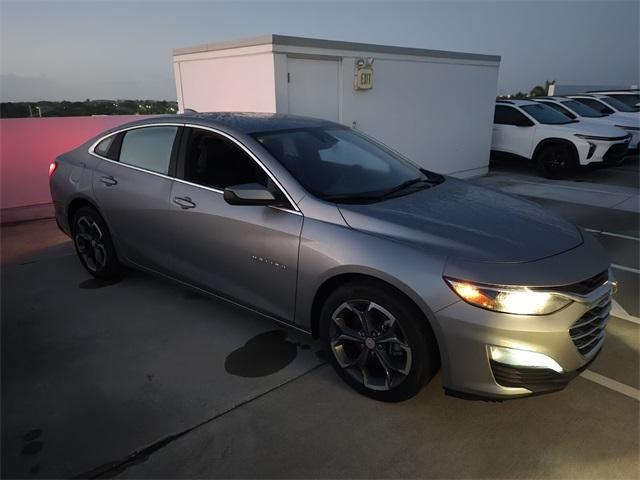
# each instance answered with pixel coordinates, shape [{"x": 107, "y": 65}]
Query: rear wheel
[
  {"x": 556, "y": 161},
  {"x": 377, "y": 341},
  {"x": 94, "y": 246}
]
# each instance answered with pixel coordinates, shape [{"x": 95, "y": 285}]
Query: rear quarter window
[{"x": 103, "y": 148}]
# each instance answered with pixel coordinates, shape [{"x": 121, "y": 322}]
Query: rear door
[
  {"x": 512, "y": 131},
  {"x": 248, "y": 254},
  {"x": 133, "y": 191}
]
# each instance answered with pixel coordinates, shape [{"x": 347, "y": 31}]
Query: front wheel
[
  {"x": 556, "y": 161},
  {"x": 378, "y": 342},
  {"x": 94, "y": 246}
]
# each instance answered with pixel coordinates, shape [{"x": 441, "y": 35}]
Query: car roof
[
  {"x": 244, "y": 122},
  {"x": 630, "y": 91},
  {"x": 554, "y": 98},
  {"x": 518, "y": 102}
]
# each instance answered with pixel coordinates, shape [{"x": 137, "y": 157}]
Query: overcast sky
[{"x": 53, "y": 50}]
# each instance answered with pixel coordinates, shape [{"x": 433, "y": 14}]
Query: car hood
[
  {"x": 629, "y": 118},
  {"x": 462, "y": 220}
]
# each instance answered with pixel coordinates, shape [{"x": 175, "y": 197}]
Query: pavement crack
[{"x": 113, "y": 468}]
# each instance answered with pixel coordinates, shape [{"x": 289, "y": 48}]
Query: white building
[{"x": 433, "y": 106}]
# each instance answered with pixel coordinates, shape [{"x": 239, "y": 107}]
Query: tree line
[
  {"x": 86, "y": 108},
  {"x": 537, "y": 91}
]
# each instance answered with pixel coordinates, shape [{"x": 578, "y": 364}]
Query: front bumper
[
  {"x": 572, "y": 337},
  {"x": 601, "y": 152}
]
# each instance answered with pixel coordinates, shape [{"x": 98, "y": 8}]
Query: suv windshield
[
  {"x": 582, "y": 109},
  {"x": 631, "y": 99},
  {"x": 618, "y": 105},
  {"x": 546, "y": 115},
  {"x": 339, "y": 164}
]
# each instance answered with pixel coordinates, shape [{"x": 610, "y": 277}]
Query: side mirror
[
  {"x": 606, "y": 111},
  {"x": 249, "y": 194}
]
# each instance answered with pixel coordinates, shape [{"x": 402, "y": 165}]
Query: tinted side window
[
  {"x": 596, "y": 105},
  {"x": 509, "y": 116},
  {"x": 214, "y": 161},
  {"x": 104, "y": 146},
  {"x": 560, "y": 109},
  {"x": 148, "y": 148}
]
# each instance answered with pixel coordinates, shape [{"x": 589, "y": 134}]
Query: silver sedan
[{"x": 399, "y": 270}]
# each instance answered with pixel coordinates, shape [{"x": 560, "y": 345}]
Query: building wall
[
  {"x": 218, "y": 82},
  {"x": 436, "y": 113},
  {"x": 29, "y": 145}
]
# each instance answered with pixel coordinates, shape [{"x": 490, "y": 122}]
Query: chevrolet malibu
[{"x": 398, "y": 270}]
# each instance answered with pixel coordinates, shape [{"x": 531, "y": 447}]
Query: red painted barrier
[{"x": 28, "y": 145}]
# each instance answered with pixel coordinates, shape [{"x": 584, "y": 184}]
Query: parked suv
[
  {"x": 607, "y": 105},
  {"x": 631, "y": 97},
  {"x": 554, "y": 142},
  {"x": 576, "y": 110},
  {"x": 312, "y": 224}
]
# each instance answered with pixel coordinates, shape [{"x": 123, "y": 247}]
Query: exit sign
[{"x": 364, "y": 78}]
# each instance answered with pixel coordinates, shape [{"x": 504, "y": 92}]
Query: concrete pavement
[{"x": 144, "y": 379}]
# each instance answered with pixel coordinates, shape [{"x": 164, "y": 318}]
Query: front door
[
  {"x": 512, "y": 132},
  {"x": 248, "y": 254},
  {"x": 133, "y": 193},
  {"x": 313, "y": 88}
]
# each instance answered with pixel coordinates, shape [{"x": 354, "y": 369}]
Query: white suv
[
  {"x": 556, "y": 143},
  {"x": 607, "y": 105},
  {"x": 631, "y": 97},
  {"x": 576, "y": 110}
]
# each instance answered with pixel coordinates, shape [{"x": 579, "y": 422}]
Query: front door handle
[
  {"x": 185, "y": 203},
  {"x": 109, "y": 181}
]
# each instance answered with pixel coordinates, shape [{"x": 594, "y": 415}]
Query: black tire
[
  {"x": 413, "y": 333},
  {"x": 94, "y": 246},
  {"x": 556, "y": 161}
]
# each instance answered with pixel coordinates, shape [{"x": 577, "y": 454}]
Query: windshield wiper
[
  {"x": 349, "y": 198},
  {"x": 405, "y": 185}
]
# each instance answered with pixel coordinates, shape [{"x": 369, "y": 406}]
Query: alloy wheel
[
  {"x": 90, "y": 244},
  {"x": 556, "y": 160},
  {"x": 369, "y": 344}
]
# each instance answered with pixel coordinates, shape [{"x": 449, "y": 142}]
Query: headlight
[
  {"x": 595, "y": 137},
  {"x": 505, "y": 299},
  {"x": 630, "y": 128}
]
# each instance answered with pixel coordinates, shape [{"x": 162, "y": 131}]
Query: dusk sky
[{"x": 122, "y": 49}]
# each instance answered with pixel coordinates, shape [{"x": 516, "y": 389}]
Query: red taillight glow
[{"x": 52, "y": 168}]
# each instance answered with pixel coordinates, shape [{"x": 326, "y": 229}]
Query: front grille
[
  {"x": 534, "y": 379},
  {"x": 587, "y": 332},
  {"x": 615, "y": 152}
]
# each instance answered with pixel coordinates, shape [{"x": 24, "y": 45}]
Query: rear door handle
[
  {"x": 184, "y": 202},
  {"x": 109, "y": 181}
]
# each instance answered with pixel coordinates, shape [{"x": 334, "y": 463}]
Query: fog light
[{"x": 523, "y": 358}]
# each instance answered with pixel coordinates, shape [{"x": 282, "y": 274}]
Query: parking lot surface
[{"x": 145, "y": 379}]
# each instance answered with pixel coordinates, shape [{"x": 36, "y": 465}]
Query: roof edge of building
[{"x": 290, "y": 41}]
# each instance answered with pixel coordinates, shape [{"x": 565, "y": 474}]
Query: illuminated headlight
[
  {"x": 516, "y": 300},
  {"x": 523, "y": 358}
]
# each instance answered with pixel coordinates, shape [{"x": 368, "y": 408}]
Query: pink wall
[{"x": 28, "y": 145}]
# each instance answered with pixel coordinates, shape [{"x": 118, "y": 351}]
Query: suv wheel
[
  {"x": 94, "y": 246},
  {"x": 556, "y": 161},
  {"x": 377, "y": 341}
]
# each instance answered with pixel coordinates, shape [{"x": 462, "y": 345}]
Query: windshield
[
  {"x": 618, "y": 105},
  {"x": 336, "y": 163},
  {"x": 582, "y": 109},
  {"x": 631, "y": 99},
  {"x": 546, "y": 115}
]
